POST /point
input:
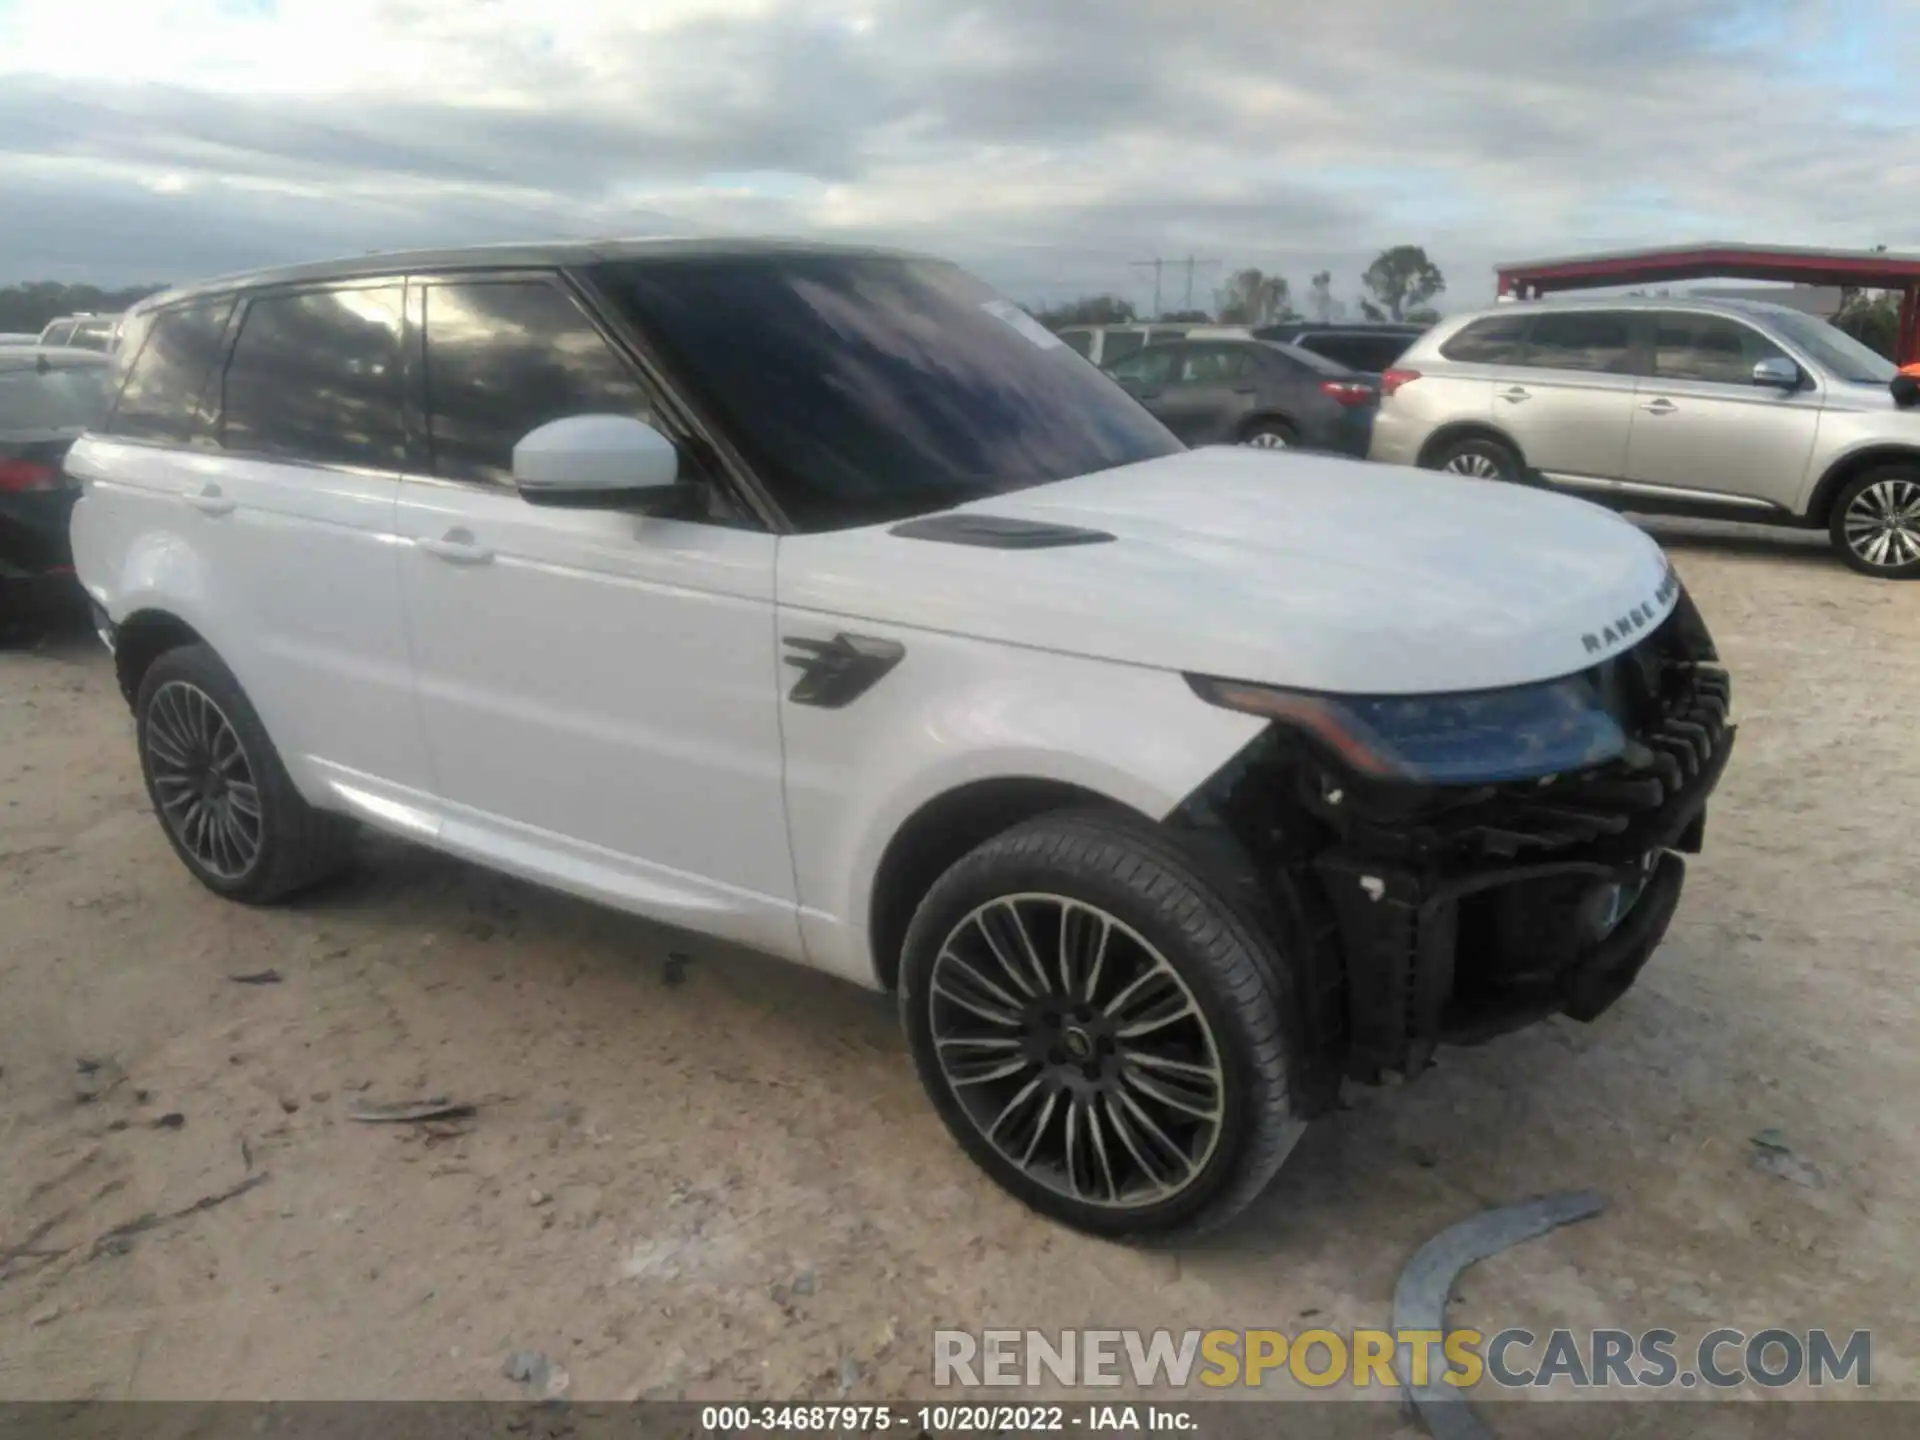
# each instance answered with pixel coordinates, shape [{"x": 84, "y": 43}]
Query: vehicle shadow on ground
[{"x": 1808, "y": 548}]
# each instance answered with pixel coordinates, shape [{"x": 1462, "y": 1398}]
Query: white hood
[{"x": 1288, "y": 569}]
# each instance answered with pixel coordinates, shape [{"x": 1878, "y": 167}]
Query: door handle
[
  {"x": 209, "y": 501},
  {"x": 1662, "y": 406},
  {"x": 1516, "y": 393},
  {"x": 457, "y": 547}
]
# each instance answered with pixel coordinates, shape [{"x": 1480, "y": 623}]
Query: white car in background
[{"x": 820, "y": 600}]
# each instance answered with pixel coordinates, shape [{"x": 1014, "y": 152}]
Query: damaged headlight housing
[{"x": 1475, "y": 738}]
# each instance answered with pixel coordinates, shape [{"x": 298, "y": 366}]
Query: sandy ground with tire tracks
[{"x": 718, "y": 1178}]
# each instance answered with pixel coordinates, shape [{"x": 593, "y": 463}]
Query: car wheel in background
[
  {"x": 1478, "y": 458},
  {"x": 1099, "y": 1030},
  {"x": 1876, "y": 523},
  {"x": 216, "y": 782},
  {"x": 1270, "y": 435}
]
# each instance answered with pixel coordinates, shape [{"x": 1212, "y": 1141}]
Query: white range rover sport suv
[{"x": 818, "y": 600}]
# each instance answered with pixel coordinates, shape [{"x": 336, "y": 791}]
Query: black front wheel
[
  {"x": 1099, "y": 1030},
  {"x": 224, "y": 799}
]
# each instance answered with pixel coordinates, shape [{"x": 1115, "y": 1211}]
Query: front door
[
  {"x": 1568, "y": 402},
  {"x": 1702, "y": 425},
  {"x": 598, "y": 689}
]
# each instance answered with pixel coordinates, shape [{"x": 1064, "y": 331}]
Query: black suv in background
[{"x": 1368, "y": 348}]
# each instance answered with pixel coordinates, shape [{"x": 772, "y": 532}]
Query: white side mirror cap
[{"x": 595, "y": 461}]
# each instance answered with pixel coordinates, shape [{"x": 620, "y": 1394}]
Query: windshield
[
  {"x": 865, "y": 389},
  {"x": 1832, "y": 349}
]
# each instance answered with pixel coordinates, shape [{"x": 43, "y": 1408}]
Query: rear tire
[
  {"x": 1270, "y": 435},
  {"x": 1479, "y": 458},
  {"x": 1099, "y": 1029},
  {"x": 1876, "y": 523},
  {"x": 218, "y": 786}
]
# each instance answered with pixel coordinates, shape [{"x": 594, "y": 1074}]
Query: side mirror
[
  {"x": 1778, "y": 371},
  {"x": 598, "y": 462},
  {"x": 1905, "y": 390}
]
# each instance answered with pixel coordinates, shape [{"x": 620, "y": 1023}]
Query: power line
[{"x": 1158, "y": 265}]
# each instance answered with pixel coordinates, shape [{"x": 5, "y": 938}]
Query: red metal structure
[{"x": 1718, "y": 260}]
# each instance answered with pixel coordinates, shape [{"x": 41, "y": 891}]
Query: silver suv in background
[{"x": 1726, "y": 409}]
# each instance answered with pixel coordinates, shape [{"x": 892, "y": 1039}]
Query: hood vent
[{"x": 998, "y": 532}]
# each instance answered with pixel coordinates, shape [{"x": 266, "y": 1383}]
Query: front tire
[
  {"x": 1478, "y": 458},
  {"x": 1099, "y": 1029},
  {"x": 1876, "y": 523},
  {"x": 223, "y": 797}
]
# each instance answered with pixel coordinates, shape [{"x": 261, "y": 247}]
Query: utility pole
[
  {"x": 1204, "y": 264},
  {"x": 1155, "y": 264}
]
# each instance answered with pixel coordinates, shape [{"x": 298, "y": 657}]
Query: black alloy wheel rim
[
  {"x": 1077, "y": 1051},
  {"x": 203, "y": 780}
]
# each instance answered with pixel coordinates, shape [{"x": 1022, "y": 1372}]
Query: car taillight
[
  {"x": 17, "y": 476},
  {"x": 1392, "y": 380},
  {"x": 1348, "y": 392}
]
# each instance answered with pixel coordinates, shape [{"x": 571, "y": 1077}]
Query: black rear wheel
[
  {"x": 224, "y": 799},
  {"x": 1270, "y": 435},
  {"x": 1478, "y": 458}
]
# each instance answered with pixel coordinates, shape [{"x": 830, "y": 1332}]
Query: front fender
[{"x": 957, "y": 711}]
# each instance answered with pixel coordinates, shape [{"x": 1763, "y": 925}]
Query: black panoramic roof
[{"x": 534, "y": 255}]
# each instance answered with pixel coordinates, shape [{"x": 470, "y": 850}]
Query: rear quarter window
[
  {"x": 168, "y": 369},
  {"x": 67, "y": 397},
  {"x": 1495, "y": 340}
]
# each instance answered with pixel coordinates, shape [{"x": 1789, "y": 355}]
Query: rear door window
[
  {"x": 315, "y": 377},
  {"x": 1212, "y": 365},
  {"x": 1594, "y": 340},
  {"x": 1708, "y": 348},
  {"x": 1495, "y": 340},
  {"x": 504, "y": 357},
  {"x": 169, "y": 371},
  {"x": 1149, "y": 368},
  {"x": 1119, "y": 344}
]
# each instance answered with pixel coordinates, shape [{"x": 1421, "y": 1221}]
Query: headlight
[{"x": 1469, "y": 739}]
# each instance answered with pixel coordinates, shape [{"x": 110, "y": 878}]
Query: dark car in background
[
  {"x": 1252, "y": 392},
  {"x": 47, "y": 397},
  {"x": 1369, "y": 348}
]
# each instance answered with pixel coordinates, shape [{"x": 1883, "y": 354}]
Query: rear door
[
  {"x": 298, "y": 513},
  {"x": 1569, "y": 402},
  {"x": 1700, "y": 424}
]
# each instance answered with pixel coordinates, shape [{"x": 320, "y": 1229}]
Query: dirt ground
[{"x": 716, "y": 1177}]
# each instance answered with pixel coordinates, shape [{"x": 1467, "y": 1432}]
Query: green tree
[
  {"x": 1088, "y": 310},
  {"x": 1872, "y": 319},
  {"x": 1403, "y": 278},
  {"x": 28, "y": 307},
  {"x": 1320, "y": 302},
  {"x": 1251, "y": 298}
]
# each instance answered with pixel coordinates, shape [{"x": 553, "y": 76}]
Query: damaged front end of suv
[{"x": 1452, "y": 867}]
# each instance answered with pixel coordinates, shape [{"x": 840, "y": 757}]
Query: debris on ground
[
  {"x": 258, "y": 977},
  {"x": 439, "y": 1107},
  {"x": 94, "y": 1078},
  {"x": 805, "y": 1283},
  {"x": 172, "y": 1120},
  {"x": 1420, "y": 1295},
  {"x": 673, "y": 970},
  {"x": 536, "y": 1372},
  {"x": 1772, "y": 1155},
  {"x": 119, "y": 1239}
]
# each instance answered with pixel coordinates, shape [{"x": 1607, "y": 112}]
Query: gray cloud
[{"x": 1048, "y": 142}]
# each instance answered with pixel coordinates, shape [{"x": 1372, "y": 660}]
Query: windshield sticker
[{"x": 1015, "y": 318}]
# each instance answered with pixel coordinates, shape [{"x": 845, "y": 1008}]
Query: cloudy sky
[{"x": 1045, "y": 143}]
